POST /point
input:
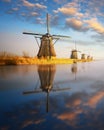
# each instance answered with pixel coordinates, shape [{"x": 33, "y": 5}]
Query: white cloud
[
  {"x": 29, "y": 4},
  {"x": 75, "y": 24},
  {"x": 95, "y": 25},
  {"x": 34, "y": 13},
  {"x": 39, "y": 21},
  {"x": 60, "y": 1},
  {"x": 15, "y": 9},
  {"x": 40, "y": 6},
  {"x": 67, "y": 11}
]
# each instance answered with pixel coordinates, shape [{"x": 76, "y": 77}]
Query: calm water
[{"x": 52, "y": 97}]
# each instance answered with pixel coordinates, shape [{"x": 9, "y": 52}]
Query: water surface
[{"x": 52, "y": 97}]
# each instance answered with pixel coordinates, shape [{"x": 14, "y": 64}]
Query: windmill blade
[
  {"x": 61, "y": 36},
  {"x": 33, "y": 33},
  {"x": 47, "y": 23},
  {"x": 30, "y": 92}
]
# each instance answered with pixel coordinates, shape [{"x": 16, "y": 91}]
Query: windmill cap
[{"x": 47, "y": 34}]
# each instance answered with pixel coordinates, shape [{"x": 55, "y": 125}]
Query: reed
[{"x": 11, "y": 59}]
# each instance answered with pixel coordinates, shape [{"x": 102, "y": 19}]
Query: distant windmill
[
  {"x": 89, "y": 57},
  {"x": 83, "y": 56},
  {"x": 74, "y": 54},
  {"x": 86, "y": 56},
  {"x": 46, "y": 76},
  {"x": 46, "y": 47}
]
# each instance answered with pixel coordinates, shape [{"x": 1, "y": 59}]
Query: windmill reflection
[
  {"x": 74, "y": 70},
  {"x": 46, "y": 76}
]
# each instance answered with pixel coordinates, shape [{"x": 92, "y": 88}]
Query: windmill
[
  {"x": 74, "y": 54},
  {"x": 83, "y": 56},
  {"x": 46, "y": 46},
  {"x": 46, "y": 76},
  {"x": 86, "y": 56}
]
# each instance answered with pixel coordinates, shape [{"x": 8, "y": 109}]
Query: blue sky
[{"x": 83, "y": 20}]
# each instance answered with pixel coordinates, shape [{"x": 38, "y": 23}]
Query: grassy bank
[
  {"x": 13, "y": 59},
  {"x": 22, "y": 61}
]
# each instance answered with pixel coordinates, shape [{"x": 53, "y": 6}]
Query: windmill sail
[
  {"x": 47, "y": 23},
  {"x": 29, "y": 33},
  {"x": 61, "y": 36}
]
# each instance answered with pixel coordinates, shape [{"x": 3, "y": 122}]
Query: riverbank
[{"x": 31, "y": 61}]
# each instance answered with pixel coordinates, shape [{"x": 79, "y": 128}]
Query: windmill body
[
  {"x": 46, "y": 47},
  {"x": 83, "y": 56},
  {"x": 88, "y": 57},
  {"x": 74, "y": 54}
]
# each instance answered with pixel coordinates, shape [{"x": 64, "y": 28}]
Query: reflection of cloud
[
  {"x": 39, "y": 121},
  {"x": 23, "y": 116},
  {"x": 75, "y": 107},
  {"x": 67, "y": 116},
  {"x": 77, "y": 102},
  {"x": 70, "y": 118},
  {"x": 92, "y": 102},
  {"x": 73, "y": 114},
  {"x": 28, "y": 122}
]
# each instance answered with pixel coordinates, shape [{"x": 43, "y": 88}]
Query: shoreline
[{"x": 35, "y": 61}]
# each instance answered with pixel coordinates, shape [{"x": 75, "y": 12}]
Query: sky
[{"x": 82, "y": 20}]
